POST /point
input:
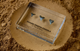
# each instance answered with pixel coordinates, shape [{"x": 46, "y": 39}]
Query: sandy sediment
[{"x": 7, "y": 7}]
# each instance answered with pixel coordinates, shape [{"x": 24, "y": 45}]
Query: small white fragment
[{"x": 3, "y": 24}]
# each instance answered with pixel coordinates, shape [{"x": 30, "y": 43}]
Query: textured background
[{"x": 7, "y": 8}]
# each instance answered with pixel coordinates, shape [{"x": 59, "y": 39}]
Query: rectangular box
[{"x": 41, "y": 29}]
